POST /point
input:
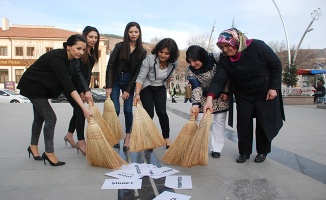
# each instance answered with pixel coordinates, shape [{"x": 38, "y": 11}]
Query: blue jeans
[{"x": 120, "y": 84}]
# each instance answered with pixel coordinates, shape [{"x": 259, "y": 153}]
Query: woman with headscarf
[
  {"x": 200, "y": 73},
  {"x": 255, "y": 72}
]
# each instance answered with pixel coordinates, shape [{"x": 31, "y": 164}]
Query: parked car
[
  {"x": 9, "y": 96},
  {"x": 98, "y": 98},
  {"x": 60, "y": 99}
]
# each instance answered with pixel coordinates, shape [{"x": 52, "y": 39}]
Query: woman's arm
[
  {"x": 111, "y": 64},
  {"x": 87, "y": 113},
  {"x": 137, "y": 91}
]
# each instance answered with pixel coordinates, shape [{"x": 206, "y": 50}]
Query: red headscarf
[{"x": 236, "y": 39}]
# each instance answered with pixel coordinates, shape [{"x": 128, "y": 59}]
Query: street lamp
[
  {"x": 286, "y": 35},
  {"x": 315, "y": 15}
]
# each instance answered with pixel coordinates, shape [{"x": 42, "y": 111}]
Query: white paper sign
[
  {"x": 171, "y": 196},
  {"x": 122, "y": 175},
  {"x": 136, "y": 168},
  {"x": 178, "y": 182},
  {"x": 121, "y": 184},
  {"x": 164, "y": 171}
]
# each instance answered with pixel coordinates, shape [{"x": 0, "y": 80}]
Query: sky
[{"x": 258, "y": 19}]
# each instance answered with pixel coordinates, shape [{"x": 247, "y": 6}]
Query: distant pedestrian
[
  {"x": 188, "y": 93},
  {"x": 320, "y": 91},
  {"x": 173, "y": 93}
]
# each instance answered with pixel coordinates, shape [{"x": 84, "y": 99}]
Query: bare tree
[
  {"x": 202, "y": 40},
  {"x": 277, "y": 46},
  {"x": 155, "y": 40}
]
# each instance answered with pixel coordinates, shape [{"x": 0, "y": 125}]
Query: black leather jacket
[
  {"x": 78, "y": 78},
  {"x": 115, "y": 67}
]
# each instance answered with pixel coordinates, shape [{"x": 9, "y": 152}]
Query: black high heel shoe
[
  {"x": 125, "y": 148},
  {"x": 35, "y": 157},
  {"x": 45, "y": 157}
]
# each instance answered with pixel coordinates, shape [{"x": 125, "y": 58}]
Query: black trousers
[
  {"x": 43, "y": 113},
  {"x": 77, "y": 121},
  {"x": 245, "y": 130},
  {"x": 155, "y": 96}
]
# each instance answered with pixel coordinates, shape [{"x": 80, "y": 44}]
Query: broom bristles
[
  {"x": 108, "y": 133},
  {"x": 111, "y": 118},
  {"x": 197, "y": 153},
  {"x": 175, "y": 154},
  {"x": 144, "y": 134},
  {"x": 99, "y": 151}
]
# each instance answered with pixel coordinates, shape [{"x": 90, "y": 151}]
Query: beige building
[{"x": 21, "y": 45}]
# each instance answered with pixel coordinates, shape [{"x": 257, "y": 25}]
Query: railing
[{"x": 305, "y": 91}]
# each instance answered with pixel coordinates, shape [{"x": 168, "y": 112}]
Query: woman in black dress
[{"x": 255, "y": 72}]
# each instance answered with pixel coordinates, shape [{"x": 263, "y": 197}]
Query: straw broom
[
  {"x": 108, "y": 133},
  {"x": 175, "y": 154},
  {"x": 111, "y": 118},
  {"x": 197, "y": 153},
  {"x": 99, "y": 151},
  {"x": 144, "y": 134}
]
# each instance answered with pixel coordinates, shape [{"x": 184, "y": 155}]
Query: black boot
[{"x": 242, "y": 158}]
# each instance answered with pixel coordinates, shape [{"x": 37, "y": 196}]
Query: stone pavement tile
[{"x": 24, "y": 178}]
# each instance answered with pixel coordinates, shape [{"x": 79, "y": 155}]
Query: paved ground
[{"x": 303, "y": 135}]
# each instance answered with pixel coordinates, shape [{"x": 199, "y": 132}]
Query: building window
[
  {"x": 4, "y": 75},
  {"x": 30, "y": 51},
  {"x": 3, "y": 51},
  {"x": 18, "y": 74},
  {"x": 19, "y": 51},
  {"x": 47, "y": 49},
  {"x": 177, "y": 77}
]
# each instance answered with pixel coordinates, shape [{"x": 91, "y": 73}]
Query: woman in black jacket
[
  {"x": 46, "y": 79},
  {"x": 86, "y": 64},
  {"x": 255, "y": 72},
  {"x": 121, "y": 73}
]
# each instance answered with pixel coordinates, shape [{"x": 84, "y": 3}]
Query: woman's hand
[
  {"x": 208, "y": 104},
  {"x": 125, "y": 95},
  {"x": 224, "y": 97},
  {"x": 88, "y": 97},
  {"x": 82, "y": 96},
  {"x": 87, "y": 113},
  {"x": 271, "y": 94},
  {"x": 136, "y": 99},
  {"x": 108, "y": 91},
  {"x": 194, "y": 110}
]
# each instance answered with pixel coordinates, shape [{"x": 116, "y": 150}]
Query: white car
[{"x": 9, "y": 96}]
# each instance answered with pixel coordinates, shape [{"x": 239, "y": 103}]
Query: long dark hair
[
  {"x": 93, "y": 51},
  {"x": 171, "y": 45},
  {"x": 73, "y": 39},
  {"x": 125, "y": 50},
  {"x": 197, "y": 53}
]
